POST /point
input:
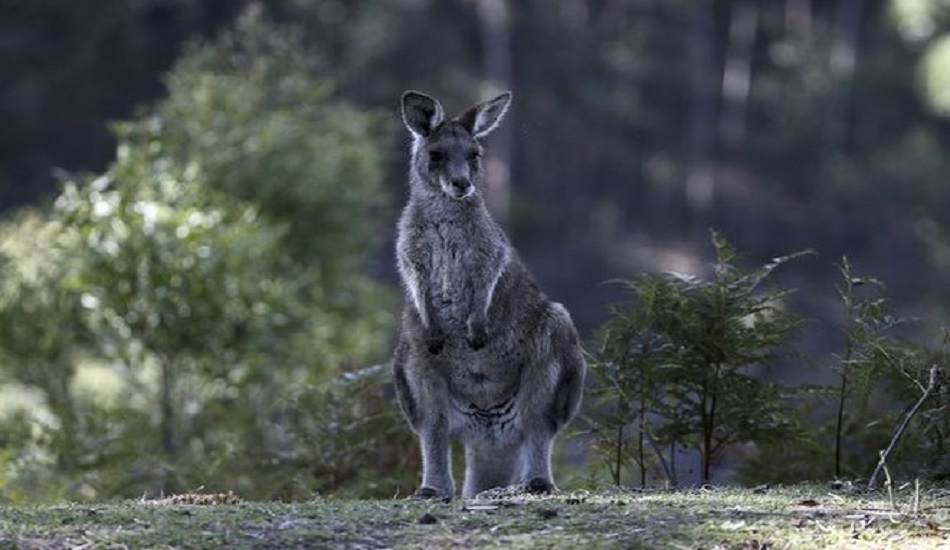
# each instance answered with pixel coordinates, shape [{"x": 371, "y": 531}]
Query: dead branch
[{"x": 899, "y": 433}]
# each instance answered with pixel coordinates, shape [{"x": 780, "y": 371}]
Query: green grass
[{"x": 800, "y": 517}]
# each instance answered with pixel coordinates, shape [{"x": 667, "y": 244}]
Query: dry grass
[{"x": 804, "y": 517}]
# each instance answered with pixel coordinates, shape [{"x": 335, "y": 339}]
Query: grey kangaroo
[{"x": 483, "y": 355}]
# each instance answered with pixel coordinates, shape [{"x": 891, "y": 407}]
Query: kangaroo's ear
[
  {"x": 481, "y": 119},
  {"x": 421, "y": 113}
]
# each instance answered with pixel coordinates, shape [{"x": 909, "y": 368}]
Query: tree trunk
[
  {"x": 60, "y": 401},
  {"x": 842, "y": 62},
  {"x": 619, "y": 457},
  {"x": 839, "y": 420},
  {"x": 737, "y": 73},
  {"x": 495, "y": 24},
  {"x": 798, "y": 18},
  {"x": 167, "y": 409},
  {"x": 709, "y": 425},
  {"x": 843, "y": 389},
  {"x": 641, "y": 443},
  {"x": 700, "y": 174}
]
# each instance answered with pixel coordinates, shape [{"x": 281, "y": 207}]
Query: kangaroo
[{"x": 483, "y": 355}]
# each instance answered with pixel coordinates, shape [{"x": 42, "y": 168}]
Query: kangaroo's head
[{"x": 446, "y": 154}]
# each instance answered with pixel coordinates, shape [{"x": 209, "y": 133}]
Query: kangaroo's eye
[
  {"x": 436, "y": 156},
  {"x": 473, "y": 156}
]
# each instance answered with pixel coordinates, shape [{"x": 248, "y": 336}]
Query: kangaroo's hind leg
[
  {"x": 564, "y": 369},
  {"x": 424, "y": 404},
  {"x": 536, "y": 463}
]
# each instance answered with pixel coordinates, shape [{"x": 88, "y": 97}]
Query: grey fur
[{"x": 483, "y": 355}]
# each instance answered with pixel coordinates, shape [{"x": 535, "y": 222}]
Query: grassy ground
[{"x": 800, "y": 517}]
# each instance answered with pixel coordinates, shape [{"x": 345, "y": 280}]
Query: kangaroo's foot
[
  {"x": 539, "y": 486},
  {"x": 430, "y": 493}
]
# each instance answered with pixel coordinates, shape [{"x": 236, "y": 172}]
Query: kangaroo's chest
[
  {"x": 458, "y": 261},
  {"x": 450, "y": 265}
]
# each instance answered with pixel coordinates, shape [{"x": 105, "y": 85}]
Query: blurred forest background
[{"x": 198, "y": 201}]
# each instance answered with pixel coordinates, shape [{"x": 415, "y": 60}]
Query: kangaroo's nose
[{"x": 461, "y": 185}]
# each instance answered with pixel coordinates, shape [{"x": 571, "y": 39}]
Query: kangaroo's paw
[
  {"x": 435, "y": 345},
  {"x": 477, "y": 335},
  {"x": 539, "y": 486},
  {"x": 434, "y": 340},
  {"x": 430, "y": 493}
]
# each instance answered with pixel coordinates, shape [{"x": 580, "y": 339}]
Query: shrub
[{"x": 679, "y": 364}]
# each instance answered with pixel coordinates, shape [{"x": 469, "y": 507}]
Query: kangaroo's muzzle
[{"x": 458, "y": 188}]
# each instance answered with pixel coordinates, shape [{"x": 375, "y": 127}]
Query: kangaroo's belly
[
  {"x": 482, "y": 399},
  {"x": 499, "y": 424}
]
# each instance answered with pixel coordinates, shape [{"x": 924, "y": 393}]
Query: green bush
[
  {"x": 677, "y": 372},
  {"x": 679, "y": 364},
  {"x": 214, "y": 276}
]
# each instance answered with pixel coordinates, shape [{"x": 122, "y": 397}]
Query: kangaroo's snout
[{"x": 460, "y": 188}]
